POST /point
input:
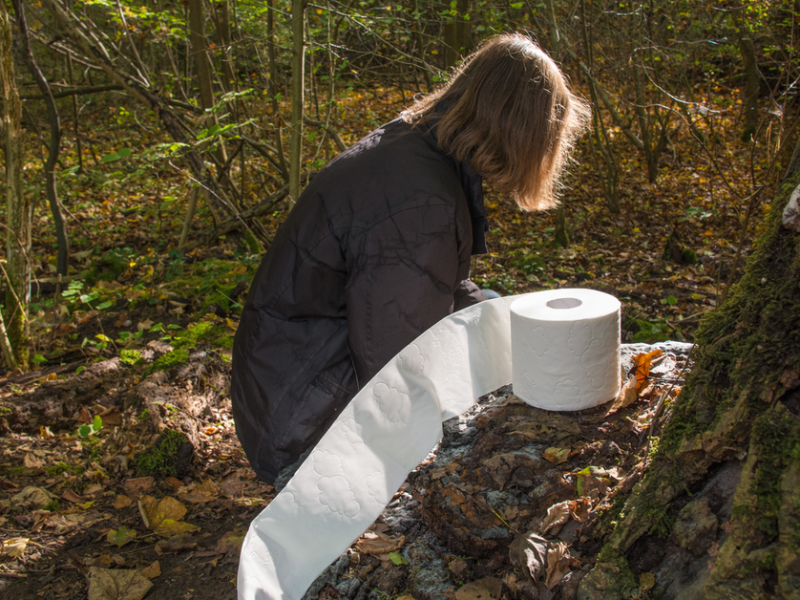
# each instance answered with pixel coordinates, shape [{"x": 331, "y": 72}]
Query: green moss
[
  {"x": 130, "y": 356},
  {"x": 776, "y": 436},
  {"x": 224, "y": 341},
  {"x": 169, "y": 361},
  {"x": 163, "y": 458},
  {"x": 4, "y": 410}
]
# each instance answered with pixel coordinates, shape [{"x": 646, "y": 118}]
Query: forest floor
[{"x": 137, "y": 343}]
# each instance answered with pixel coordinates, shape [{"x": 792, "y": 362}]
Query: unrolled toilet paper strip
[
  {"x": 388, "y": 428},
  {"x": 565, "y": 346}
]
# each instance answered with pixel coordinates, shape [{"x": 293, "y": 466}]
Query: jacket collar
[{"x": 472, "y": 183}]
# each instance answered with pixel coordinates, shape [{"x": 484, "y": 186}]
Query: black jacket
[{"x": 375, "y": 251}]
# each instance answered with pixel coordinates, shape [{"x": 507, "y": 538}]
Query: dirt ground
[{"x": 78, "y": 517}]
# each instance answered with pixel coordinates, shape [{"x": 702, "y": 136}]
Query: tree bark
[
  {"x": 18, "y": 211},
  {"x": 752, "y": 81},
  {"x": 54, "y": 148},
  {"x": 197, "y": 36},
  {"x": 298, "y": 97},
  {"x": 740, "y": 407}
]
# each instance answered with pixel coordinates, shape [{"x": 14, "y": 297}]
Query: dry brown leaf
[
  {"x": 379, "y": 543},
  {"x": 557, "y": 515},
  {"x": 122, "y": 501},
  {"x": 32, "y": 496},
  {"x": 579, "y": 509},
  {"x": 558, "y": 562},
  {"x": 174, "y": 482},
  {"x": 84, "y": 416},
  {"x": 198, "y": 493},
  {"x": 117, "y": 584},
  {"x": 557, "y": 455},
  {"x": 137, "y": 487},
  {"x": 529, "y": 552},
  {"x": 232, "y": 485},
  {"x": 627, "y": 396},
  {"x": 488, "y": 588},
  {"x": 31, "y": 461},
  {"x": 14, "y": 547},
  {"x": 152, "y": 570},
  {"x": 71, "y": 496}
]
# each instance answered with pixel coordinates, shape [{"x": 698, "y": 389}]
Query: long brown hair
[{"x": 509, "y": 112}]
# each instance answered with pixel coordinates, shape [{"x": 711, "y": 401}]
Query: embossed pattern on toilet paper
[
  {"x": 382, "y": 434},
  {"x": 565, "y": 345}
]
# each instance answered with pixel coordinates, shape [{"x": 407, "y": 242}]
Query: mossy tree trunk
[{"x": 741, "y": 402}]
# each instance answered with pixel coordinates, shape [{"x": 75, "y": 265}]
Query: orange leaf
[{"x": 643, "y": 362}]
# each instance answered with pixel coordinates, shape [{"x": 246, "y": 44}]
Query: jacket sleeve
[
  {"x": 403, "y": 275},
  {"x": 467, "y": 294}
]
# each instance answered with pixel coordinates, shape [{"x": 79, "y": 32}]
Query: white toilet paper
[
  {"x": 565, "y": 345},
  {"x": 388, "y": 428}
]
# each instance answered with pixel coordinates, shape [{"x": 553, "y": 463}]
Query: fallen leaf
[
  {"x": 488, "y": 588},
  {"x": 232, "y": 485},
  {"x": 557, "y": 515},
  {"x": 592, "y": 479},
  {"x": 84, "y": 416},
  {"x": 137, "y": 487},
  {"x": 379, "y": 543},
  {"x": 152, "y": 570},
  {"x": 174, "y": 482},
  {"x": 71, "y": 496},
  {"x": 117, "y": 584},
  {"x": 164, "y": 517},
  {"x": 558, "y": 562},
  {"x": 557, "y": 455},
  {"x": 627, "y": 396},
  {"x": 120, "y": 537},
  {"x": 122, "y": 501},
  {"x": 529, "y": 552},
  {"x": 32, "y": 496},
  {"x": 14, "y": 547},
  {"x": 45, "y": 433},
  {"x": 8, "y": 486},
  {"x": 170, "y": 527},
  {"x": 31, "y": 461},
  {"x": 642, "y": 368},
  {"x": 200, "y": 492},
  {"x": 579, "y": 509}
]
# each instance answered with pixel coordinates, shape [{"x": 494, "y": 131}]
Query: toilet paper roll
[
  {"x": 388, "y": 428},
  {"x": 566, "y": 347}
]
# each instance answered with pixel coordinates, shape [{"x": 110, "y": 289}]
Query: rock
[
  {"x": 605, "y": 582},
  {"x": 696, "y": 527},
  {"x": 488, "y": 588}
]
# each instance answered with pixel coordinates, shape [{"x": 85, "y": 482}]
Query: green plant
[
  {"x": 88, "y": 429},
  {"x": 162, "y": 458}
]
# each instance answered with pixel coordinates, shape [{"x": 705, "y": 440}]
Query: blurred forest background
[{"x": 153, "y": 148}]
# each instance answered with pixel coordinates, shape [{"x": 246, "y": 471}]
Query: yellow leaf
[
  {"x": 14, "y": 547},
  {"x": 154, "y": 513}
]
